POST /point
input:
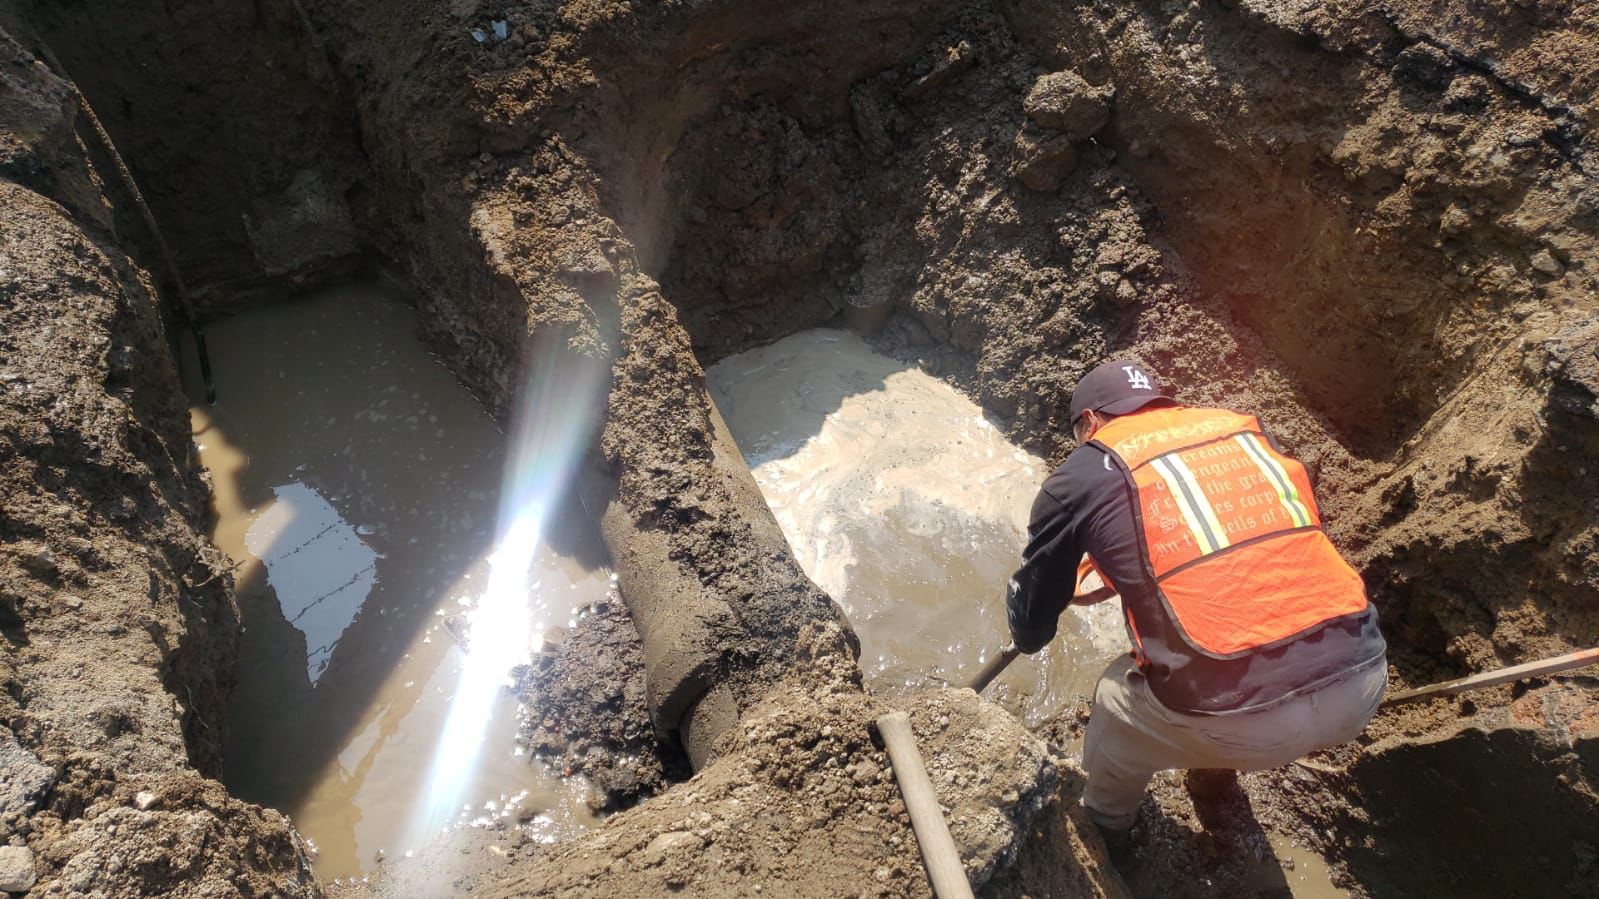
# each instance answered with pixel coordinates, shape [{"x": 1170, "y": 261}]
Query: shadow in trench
[
  {"x": 1230, "y": 854},
  {"x": 1508, "y": 812}
]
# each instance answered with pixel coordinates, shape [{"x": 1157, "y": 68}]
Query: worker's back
[
  {"x": 1234, "y": 596},
  {"x": 1254, "y": 642}
]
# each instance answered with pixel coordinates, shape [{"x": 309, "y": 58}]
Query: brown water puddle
[
  {"x": 904, "y": 503},
  {"x": 1305, "y": 873},
  {"x": 356, "y": 490}
]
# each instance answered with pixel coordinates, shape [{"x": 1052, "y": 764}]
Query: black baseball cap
[{"x": 1116, "y": 387}]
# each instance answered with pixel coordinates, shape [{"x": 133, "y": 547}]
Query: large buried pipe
[{"x": 706, "y": 572}]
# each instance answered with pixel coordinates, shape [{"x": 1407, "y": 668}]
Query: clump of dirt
[
  {"x": 169, "y": 835},
  {"x": 589, "y": 713}
]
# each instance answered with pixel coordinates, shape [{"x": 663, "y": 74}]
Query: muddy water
[
  {"x": 904, "y": 503},
  {"x": 356, "y": 487},
  {"x": 1305, "y": 872}
]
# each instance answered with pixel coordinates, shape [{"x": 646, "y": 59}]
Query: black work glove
[{"x": 1028, "y": 630}]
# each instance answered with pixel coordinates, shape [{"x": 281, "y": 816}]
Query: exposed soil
[
  {"x": 804, "y": 803},
  {"x": 593, "y": 718},
  {"x": 236, "y": 130},
  {"x": 1372, "y": 224},
  {"x": 117, "y": 617}
]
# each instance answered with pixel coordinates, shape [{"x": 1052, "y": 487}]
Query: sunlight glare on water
[
  {"x": 555, "y": 417},
  {"x": 357, "y": 492}
]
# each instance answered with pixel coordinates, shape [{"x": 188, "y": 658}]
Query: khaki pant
[{"x": 1131, "y": 735}]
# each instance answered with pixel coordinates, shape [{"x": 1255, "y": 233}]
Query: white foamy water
[{"x": 903, "y": 502}]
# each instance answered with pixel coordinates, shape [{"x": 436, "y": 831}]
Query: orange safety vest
[{"x": 1229, "y": 530}]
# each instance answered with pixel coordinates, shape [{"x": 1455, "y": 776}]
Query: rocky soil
[
  {"x": 1370, "y": 223},
  {"x": 804, "y": 802}
]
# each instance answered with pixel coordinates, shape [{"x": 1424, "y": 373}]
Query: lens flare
[{"x": 553, "y": 423}]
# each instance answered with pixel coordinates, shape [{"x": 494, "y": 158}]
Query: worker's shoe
[
  {"x": 1118, "y": 846},
  {"x": 1211, "y": 786}
]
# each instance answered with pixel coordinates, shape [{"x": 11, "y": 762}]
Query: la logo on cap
[{"x": 1136, "y": 378}]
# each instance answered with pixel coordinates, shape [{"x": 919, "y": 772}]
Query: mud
[
  {"x": 589, "y": 714},
  {"x": 1372, "y": 224}
]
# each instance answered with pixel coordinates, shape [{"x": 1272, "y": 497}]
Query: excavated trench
[{"x": 1372, "y": 226}]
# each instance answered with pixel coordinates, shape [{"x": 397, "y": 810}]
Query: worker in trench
[{"x": 1253, "y": 641}]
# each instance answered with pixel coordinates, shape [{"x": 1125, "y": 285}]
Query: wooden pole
[
  {"x": 999, "y": 663},
  {"x": 943, "y": 860},
  {"x": 995, "y": 665},
  {"x": 1579, "y": 659}
]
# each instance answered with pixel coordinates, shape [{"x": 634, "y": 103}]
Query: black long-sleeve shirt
[
  {"x": 1086, "y": 506},
  {"x": 1083, "y": 507}
]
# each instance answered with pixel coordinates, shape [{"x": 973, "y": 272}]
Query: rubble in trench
[{"x": 1372, "y": 225}]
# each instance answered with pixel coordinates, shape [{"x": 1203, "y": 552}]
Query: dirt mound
[
  {"x": 803, "y": 802},
  {"x": 590, "y": 713}
]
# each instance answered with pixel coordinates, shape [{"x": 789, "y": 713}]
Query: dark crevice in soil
[{"x": 237, "y": 133}]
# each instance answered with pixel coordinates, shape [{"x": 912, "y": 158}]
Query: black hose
[{"x": 184, "y": 307}]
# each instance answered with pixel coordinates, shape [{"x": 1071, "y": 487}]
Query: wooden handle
[
  {"x": 943, "y": 860},
  {"x": 1098, "y": 595},
  {"x": 1579, "y": 659},
  {"x": 994, "y": 667}
]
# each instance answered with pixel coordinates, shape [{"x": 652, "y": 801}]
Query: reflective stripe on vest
[{"x": 1230, "y": 530}]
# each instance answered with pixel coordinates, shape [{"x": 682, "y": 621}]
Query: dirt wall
[
  {"x": 1398, "y": 201},
  {"x": 116, "y": 614},
  {"x": 231, "y": 120}
]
